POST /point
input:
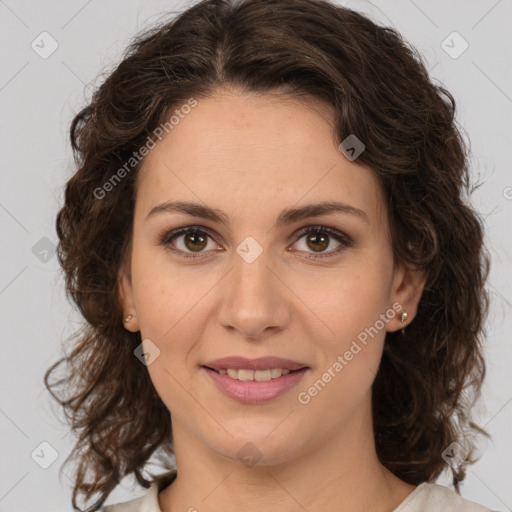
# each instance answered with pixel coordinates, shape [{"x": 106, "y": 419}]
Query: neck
[{"x": 342, "y": 473}]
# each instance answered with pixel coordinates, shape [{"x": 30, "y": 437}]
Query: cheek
[
  {"x": 169, "y": 311},
  {"x": 352, "y": 349},
  {"x": 356, "y": 308},
  {"x": 351, "y": 297},
  {"x": 173, "y": 306},
  {"x": 161, "y": 305},
  {"x": 165, "y": 294}
]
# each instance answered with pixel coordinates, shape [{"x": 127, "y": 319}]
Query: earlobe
[
  {"x": 128, "y": 318},
  {"x": 407, "y": 291},
  {"x": 126, "y": 299}
]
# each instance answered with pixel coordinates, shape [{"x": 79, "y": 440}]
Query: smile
[
  {"x": 255, "y": 386},
  {"x": 257, "y": 375}
]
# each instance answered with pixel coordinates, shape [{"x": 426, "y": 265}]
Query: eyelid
[
  {"x": 169, "y": 236},
  {"x": 342, "y": 238}
]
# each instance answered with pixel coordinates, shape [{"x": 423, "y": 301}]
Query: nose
[{"x": 254, "y": 299}]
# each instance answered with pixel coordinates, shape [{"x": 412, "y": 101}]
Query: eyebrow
[{"x": 286, "y": 217}]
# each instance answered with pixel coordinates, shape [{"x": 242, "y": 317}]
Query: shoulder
[
  {"x": 146, "y": 503},
  {"x": 428, "y": 497},
  {"x": 149, "y": 501}
]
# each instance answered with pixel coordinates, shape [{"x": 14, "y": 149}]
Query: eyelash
[{"x": 344, "y": 240}]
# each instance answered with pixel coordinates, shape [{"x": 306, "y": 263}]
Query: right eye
[{"x": 192, "y": 238}]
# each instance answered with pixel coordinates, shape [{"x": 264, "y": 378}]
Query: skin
[{"x": 252, "y": 156}]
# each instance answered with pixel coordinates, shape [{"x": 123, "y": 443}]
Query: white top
[{"x": 426, "y": 497}]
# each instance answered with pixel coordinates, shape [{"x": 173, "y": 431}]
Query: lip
[
  {"x": 261, "y": 363},
  {"x": 255, "y": 392}
]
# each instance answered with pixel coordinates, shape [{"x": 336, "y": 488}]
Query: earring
[
  {"x": 128, "y": 318},
  {"x": 403, "y": 318}
]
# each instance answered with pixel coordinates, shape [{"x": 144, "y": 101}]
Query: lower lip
[{"x": 254, "y": 392}]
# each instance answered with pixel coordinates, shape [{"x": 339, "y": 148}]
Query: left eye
[
  {"x": 320, "y": 236},
  {"x": 195, "y": 240}
]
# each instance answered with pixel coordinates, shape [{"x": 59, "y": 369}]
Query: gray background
[{"x": 38, "y": 97}]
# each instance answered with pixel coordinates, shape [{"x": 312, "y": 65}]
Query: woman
[{"x": 282, "y": 282}]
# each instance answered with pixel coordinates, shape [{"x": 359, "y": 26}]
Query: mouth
[
  {"x": 252, "y": 387},
  {"x": 247, "y": 374}
]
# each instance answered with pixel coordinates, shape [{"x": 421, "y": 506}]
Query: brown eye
[
  {"x": 192, "y": 242},
  {"x": 195, "y": 240},
  {"x": 187, "y": 241},
  {"x": 318, "y": 239}
]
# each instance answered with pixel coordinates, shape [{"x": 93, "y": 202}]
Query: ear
[
  {"x": 407, "y": 289},
  {"x": 126, "y": 297}
]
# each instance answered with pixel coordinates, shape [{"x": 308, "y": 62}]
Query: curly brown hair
[{"x": 380, "y": 90}]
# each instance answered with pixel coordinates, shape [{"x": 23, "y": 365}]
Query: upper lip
[{"x": 261, "y": 363}]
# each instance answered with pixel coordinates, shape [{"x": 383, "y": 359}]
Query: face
[{"x": 262, "y": 279}]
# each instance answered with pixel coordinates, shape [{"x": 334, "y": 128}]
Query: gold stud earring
[
  {"x": 403, "y": 318},
  {"x": 128, "y": 318}
]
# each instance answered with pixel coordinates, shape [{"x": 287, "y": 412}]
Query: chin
[{"x": 259, "y": 449}]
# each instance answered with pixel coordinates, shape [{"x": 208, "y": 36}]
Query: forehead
[{"x": 244, "y": 153}]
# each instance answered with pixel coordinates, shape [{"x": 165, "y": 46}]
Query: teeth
[
  {"x": 257, "y": 375},
  {"x": 232, "y": 373},
  {"x": 245, "y": 374}
]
